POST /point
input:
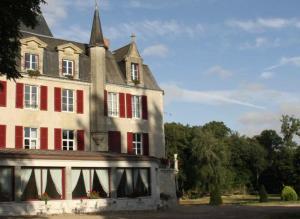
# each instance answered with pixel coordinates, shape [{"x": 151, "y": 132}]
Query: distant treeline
[{"x": 213, "y": 158}]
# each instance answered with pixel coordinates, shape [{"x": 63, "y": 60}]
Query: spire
[{"x": 97, "y": 38}]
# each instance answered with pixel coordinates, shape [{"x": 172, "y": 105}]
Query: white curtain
[
  {"x": 56, "y": 175},
  {"x": 119, "y": 174},
  {"x": 104, "y": 180},
  {"x": 75, "y": 177},
  {"x": 25, "y": 175},
  {"x": 86, "y": 177},
  {"x": 129, "y": 180},
  {"x": 37, "y": 173},
  {"x": 6, "y": 180},
  {"x": 145, "y": 177},
  {"x": 44, "y": 180}
]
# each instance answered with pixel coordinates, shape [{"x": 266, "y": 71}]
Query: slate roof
[
  {"x": 114, "y": 61},
  {"x": 41, "y": 28},
  {"x": 96, "y": 38}
]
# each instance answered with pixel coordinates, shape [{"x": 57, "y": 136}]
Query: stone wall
[{"x": 167, "y": 185}]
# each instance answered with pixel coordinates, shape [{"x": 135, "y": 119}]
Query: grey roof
[
  {"x": 96, "y": 38},
  {"x": 115, "y": 64},
  {"x": 120, "y": 53},
  {"x": 41, "y": 28}
]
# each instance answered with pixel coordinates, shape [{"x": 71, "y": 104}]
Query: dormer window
[
  {"x": 134, "y": 71},
  {"x": 67, "y": 67},
  {"x": 31, "y": 61}
]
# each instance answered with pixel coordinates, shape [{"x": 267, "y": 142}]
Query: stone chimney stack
[{"x": 97, "y": 48}]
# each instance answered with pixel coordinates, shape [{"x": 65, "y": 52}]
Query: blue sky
[{"x": 236, "y": 61}]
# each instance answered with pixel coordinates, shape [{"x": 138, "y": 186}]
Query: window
[
  {"x": 6, "y": 184},
  {"x": 133, "y": 182},
  {"x": 31, "y": 61},
  {"x": 136, "y": 107},
  {"x": 113, "y": 104},
  {"x": 37, "y": 181},
  {"x": 68, "y": 140},
  {"x": 30, "y": 138},
  {"x": 67, "y": 100},
  {"x": 86, "y": 180},
  {"x": 134, "y": 72},
  {"x": 67, "y": 67},
  {"x": 31, "y": 97},
  {"x": 137, "y": 144}
]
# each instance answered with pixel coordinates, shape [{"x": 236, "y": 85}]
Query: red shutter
[
  {"x": 63, "y": 179},
  {"x": 105, "y": 102},
  {"x": 144, "y": 107},
  {"x": 44, "y": 138},
  {"x": 19, "y": 95},
  {"x": 79, "y": 101},
  {"x": 114, "y": 141},
  {"x": 57, "y": 139},
  {"x": 44, "y": 98},
  {"x": 145, "y": 144},
  {"x": 19, "y": 137},
  {"x": 128, "y": 106},
  {"x": 2, "y": 136},
  {"x": 129, "y": 143},
  {"x": 3, "y": 90},
  {"x": 122, "y": 105},
  {"x": 57, "y": 99},
  {"x": 80, "y": 140}
]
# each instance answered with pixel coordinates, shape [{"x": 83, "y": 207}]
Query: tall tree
[
  {"x": 13, "y": 13},
  {"x": 290, "y": 126}
]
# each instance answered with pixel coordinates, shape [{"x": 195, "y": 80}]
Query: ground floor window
[
  {"x": 133, "y": 182},
  {"x": 38, "y": 181},
  {"x": 6, "y": 184},
  {"x": 92, "y": 182}
]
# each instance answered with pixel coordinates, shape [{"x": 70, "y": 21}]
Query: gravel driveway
[{"x": 195, "y": 212}]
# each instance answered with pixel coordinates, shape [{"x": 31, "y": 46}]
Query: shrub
[
  {"x": 215, "y": 197},
  {"x": 263, "y": 195},
  {"x": 288, "y": 194}
]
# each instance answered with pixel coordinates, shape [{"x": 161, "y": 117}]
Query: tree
[
  {"x": 211, "y": 154},
  {"x": 289, "y": 128},
  {"x": 218, "y": 129},
  {"x": 13, "y": 13}
]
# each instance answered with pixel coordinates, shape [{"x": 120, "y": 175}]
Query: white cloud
[
  {"x": 261, "y": 42},
  {"x": 154, "y": 28},
  {"x": 261, "y": 24},
  {"x": 295, "y": 61},
  {"x": 267, "y": 75},
  {"x": 174, "y": 93},
  {"x": 158, "y": 50},
  {"x": 55, "y": 10},
  {"x": 219, "y": 71},
  {"x": 253, "y": 123}
]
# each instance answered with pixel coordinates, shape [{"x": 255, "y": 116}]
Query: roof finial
[
  {"x": 96, "y": 4},
  {"x": 133, "y": 37}
]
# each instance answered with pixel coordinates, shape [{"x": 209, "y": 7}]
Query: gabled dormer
[
  {"x": 68, "y": 56},
  {"x": 32, "y": 54},
  {"x": 131, "y": 63}
]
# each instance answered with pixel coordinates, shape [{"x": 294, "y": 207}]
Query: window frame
[
  {"x": 134, "y": 71},
  {"x": 12, "y": 179},
  {"x": 30, "y": 62},
  {"x": 68, "y": 97},
  {"x": 113, "y": 103},
  {"x": 136, "y": 143},
  {"x": 67, "y": 73},
  {"x": 136, "y": 102},
  {"x": 30, "y": 138},
  {"x": 31, "y": 106},
  {"x": 68, "y": 140}
]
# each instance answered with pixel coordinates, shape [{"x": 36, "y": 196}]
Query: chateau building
[{"x": 83, "y": 127}]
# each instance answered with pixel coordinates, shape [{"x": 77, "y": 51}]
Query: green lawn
[{"x": 252, "y": 200}]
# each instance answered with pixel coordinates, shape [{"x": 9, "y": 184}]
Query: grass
[{"x": 251, "y": 200}]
